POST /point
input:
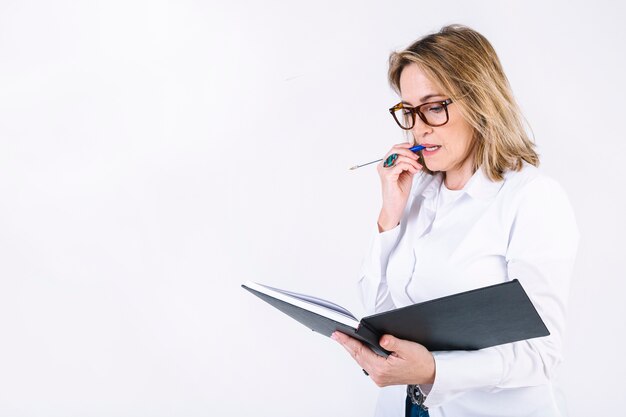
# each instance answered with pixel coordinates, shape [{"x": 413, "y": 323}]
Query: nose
[{"x": 420, "y": 129}]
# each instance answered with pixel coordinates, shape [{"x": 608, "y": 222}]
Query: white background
[{"x": 154, "y": 155}]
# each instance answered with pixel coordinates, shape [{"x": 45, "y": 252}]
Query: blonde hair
[{"x": 465, "y": 65}]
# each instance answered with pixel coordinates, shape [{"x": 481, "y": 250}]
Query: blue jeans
[{"x": 413, "y": 410}]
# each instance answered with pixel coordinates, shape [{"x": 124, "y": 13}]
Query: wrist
[
  {"x": 432, "y": 370},
  {"x": 386, "y": 222}
]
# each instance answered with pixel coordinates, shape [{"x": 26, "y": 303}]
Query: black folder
[{"x": 470, "y": 320}]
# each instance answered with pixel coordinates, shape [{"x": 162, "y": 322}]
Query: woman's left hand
[{"x": 409, "y": 362}]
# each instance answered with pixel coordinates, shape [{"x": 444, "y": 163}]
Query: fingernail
[{"x": 333, "y": 336}]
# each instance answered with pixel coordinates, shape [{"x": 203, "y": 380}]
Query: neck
[{"x": 456, "y": 178}]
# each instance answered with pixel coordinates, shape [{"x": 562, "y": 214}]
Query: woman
[{"x": 472, "y": 210}]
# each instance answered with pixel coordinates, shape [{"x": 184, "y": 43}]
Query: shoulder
[
  {"x": 527, "y": 175},
  {"x": 539, "y": 213},
  {"x": 530, "y": 182},
  {"x": 531, "y": 194}
]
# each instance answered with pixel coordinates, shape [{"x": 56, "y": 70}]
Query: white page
[{"x": 314, "y": 304}]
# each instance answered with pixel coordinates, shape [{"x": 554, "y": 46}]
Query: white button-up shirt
[{"x": 520, "y": 228}]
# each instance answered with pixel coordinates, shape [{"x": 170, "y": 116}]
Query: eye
[{"x": 434, "y": 108}]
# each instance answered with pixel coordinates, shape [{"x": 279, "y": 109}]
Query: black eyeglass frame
[{"x": 416, "y": 110}]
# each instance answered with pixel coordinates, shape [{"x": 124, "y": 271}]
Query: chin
[{"x": 434, "y": 167}]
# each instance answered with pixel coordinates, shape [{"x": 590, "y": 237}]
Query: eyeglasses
[{"x": 433, "y": 114}]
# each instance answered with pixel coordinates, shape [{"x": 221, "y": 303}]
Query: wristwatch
[{"x": 416, "y": 395}]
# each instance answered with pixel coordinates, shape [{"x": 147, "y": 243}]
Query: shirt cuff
[
  {"x": 373, "y": 280},
  {"x": 460, "y": 371},
  {"x": 381, "y": 245},
  {"x": 426, "y": 388}
]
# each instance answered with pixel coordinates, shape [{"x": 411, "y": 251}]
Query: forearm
[
  {"x": 387, "y": 221},
  {"x": 514, "y": 365},
  {"x": 372, "y": 281}
]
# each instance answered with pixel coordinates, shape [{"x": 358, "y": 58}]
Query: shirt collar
[
  {"x": 481, "y": 187},
  {"x": 432, "y": 189},
  {"x": 478, "y": 187}
]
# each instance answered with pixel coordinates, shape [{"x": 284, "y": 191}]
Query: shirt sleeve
[
  {"x": 542, "y": 245},
  {"x": 373, "y": 282}
]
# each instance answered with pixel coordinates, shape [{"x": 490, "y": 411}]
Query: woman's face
[{"x": 452, "y": 142}]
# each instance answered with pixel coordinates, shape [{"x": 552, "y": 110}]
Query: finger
[
  {"x": 359, "y": 352},
  {"x": 407, "y": 160},
  {"x": 390, "y": 160},
  {"x": 349, "y": 343},
  {"x": 403, "y": 145},
  {"x": 393, "y": 344},
  {"x": 402, "y": 151},
  {"x": 397, "y": 169},
  {"x": 401, "y": 160}
]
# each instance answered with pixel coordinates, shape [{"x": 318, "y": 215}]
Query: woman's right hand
[{"x": 396, "y": 184}]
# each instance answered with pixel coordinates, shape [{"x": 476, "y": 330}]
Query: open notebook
[{"x": 470, "y": 320}]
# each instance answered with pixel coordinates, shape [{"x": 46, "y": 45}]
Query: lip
[{"x": 426, "y": 153}]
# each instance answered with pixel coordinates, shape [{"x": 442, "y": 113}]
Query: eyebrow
[{"x": 423, "y": 99}]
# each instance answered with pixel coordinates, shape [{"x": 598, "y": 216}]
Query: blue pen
[{"x": 391, "y": 159}]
